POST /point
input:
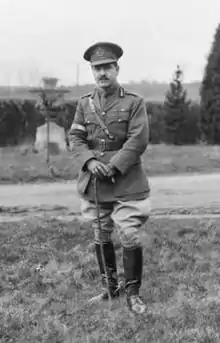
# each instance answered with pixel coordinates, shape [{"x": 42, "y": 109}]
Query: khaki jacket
[{"x": 126, "y": 118}]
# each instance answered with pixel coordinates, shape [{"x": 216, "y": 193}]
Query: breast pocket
[
  {"x": 118, "y": 120},
  {"x": 90, "y": 123},
  {"x": 90, "y": 119},
  {"x": 118, "y": 116}
]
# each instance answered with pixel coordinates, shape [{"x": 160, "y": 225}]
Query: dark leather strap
[
  {"x": 103, "y": 126},
  {"x": 105, "y": 145}
]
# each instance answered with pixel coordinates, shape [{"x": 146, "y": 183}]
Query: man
[{"x": 110, "y": 132}]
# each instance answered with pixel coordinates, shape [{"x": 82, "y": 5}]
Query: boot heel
[
  {"x": 111, "y": 278},
  {"x": 133, "y": 266}
]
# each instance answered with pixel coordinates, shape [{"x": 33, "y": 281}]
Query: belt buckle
[{"x": 103, "y": 144}]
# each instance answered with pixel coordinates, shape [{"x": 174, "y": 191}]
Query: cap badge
[{"x": 100, "y": 52}]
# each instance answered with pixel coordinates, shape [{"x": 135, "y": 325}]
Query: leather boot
[
  {"x": 133, "y": 266},
  {"x": 110, "y": 261}
]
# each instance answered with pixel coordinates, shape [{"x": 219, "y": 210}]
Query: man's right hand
[{"x": 97, "y": 168}]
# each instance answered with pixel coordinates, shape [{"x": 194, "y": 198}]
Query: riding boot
[
  {"x": 110, "y": 280},
  {"x": 133, "y": 266}
]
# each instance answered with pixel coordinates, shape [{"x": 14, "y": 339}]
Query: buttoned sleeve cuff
[
  {"x": 119, "y": 164},
  {"x": 87, "y": 155}
]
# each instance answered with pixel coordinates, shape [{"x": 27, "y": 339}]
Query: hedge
[{"x": 19, "y": 120}]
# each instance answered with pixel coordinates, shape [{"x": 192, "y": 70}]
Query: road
[{"x": 167, "y": 193}]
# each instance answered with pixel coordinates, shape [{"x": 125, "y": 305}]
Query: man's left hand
[{"x": 111, "y": 170}]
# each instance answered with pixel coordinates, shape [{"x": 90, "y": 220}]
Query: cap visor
[{"x": 106, "y": 61}]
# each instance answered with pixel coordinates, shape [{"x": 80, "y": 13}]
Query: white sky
[{"x": 48, "y": 37}]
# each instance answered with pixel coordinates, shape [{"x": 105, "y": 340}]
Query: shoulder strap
[
  {"x": 101, "y": 123},
  {"x": 86, "y": 95}
]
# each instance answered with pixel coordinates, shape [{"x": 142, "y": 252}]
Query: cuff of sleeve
[
  {"x": 86, "y": 157},
  {"x": 119, "y": 164}
]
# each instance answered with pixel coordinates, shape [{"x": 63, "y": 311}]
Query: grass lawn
[
  {"x": 158, "y": 159},
  {"x": 48, "y": 272}
]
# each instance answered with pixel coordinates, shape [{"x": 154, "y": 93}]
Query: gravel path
[{"x": 182, "y": 195}]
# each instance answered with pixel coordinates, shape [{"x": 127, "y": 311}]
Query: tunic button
[
  {"x": 101, "y": 153},
  {"x": 103, "y": 113}
]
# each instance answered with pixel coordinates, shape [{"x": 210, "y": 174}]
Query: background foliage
[{"x": 180, "y": 118}]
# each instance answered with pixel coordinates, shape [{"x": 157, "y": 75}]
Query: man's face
[{"x": 105, "y": 75}]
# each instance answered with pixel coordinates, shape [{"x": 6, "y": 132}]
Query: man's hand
[
  {"x": 98, "y": 168},
  {"x": 111, "y": 170}
]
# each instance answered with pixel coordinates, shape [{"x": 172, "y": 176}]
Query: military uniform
[{"x": 124, "y": 202}]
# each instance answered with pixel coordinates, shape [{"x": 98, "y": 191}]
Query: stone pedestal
[
  {"x": 49, "y": 93},
  {"x": 57, "y": 138}
]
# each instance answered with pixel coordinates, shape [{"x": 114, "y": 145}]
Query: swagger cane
[{"x": 101, "y": 243}]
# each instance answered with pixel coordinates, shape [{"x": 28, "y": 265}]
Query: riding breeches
[{"x": 128, "y": 217}]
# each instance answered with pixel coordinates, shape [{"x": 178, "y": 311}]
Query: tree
[
  {"x": 156, "y": 122},
  {"x": 210, "y": 94},
  {"x": 176, "y": 108}
]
